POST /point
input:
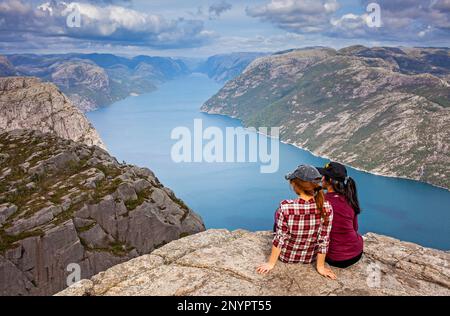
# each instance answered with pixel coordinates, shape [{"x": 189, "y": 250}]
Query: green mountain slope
[{"x": 383, "y": 110}]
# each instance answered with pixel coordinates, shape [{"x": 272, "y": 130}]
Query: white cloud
[
  {"x": 109, "y": 22},
  {"x": 299, "y": 16},
  {"x": 401, "y": 20}
]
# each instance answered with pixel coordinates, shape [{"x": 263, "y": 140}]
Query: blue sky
[{"x": 199, "y": 28}]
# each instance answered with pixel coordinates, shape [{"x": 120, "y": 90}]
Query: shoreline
[{"x": 328, "y": 158}]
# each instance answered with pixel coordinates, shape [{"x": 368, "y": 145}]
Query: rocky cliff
[
  {"x": 28, "y": 103},
  {"x": 87, "y": 85},
  {"x": 219, "y": 262},
  {"x": 384, "y": 110},
  {"x": 63, "y": 202}
]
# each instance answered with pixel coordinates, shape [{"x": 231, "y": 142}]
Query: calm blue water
[{"x": 137, "y": 130}]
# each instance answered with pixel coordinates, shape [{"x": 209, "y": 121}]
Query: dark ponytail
[
  {"x": 352, "y": 194},
  {"x": 348, "y": 189}
]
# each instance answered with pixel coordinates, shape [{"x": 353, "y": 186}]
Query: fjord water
[{"x": 236, "y": 195}]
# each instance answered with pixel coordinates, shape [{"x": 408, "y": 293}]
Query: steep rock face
[
  {"x": 84, "y": 83},
  {"x": 381, "y": 110},
  {"x": 28, "y": 103},
  {"x": 63, "y": 203},
  {"x": 219, "y": 262}
]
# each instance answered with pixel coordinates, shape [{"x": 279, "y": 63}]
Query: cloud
[
  {"x": 408, "y": 20},
  {"x": 107, "y": 23},
  {"x": 218, "y": 8},
  {"x": 413, "y": 21},
  {"x": 298, "y": 16}
]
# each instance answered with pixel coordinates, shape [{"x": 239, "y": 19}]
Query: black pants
[{"x": 346, "y": 263}]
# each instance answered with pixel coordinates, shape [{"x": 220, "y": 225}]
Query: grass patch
[
  {"x": 86, "y": 228},
  {"x": 142, "y": 197},
  {"x": 105, "y": 187},
  {"x": 117, "y": 248},
  {"x": 7, "y": 241},
  {"x": 180, "y": 203}
]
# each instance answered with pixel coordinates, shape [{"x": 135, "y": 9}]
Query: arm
[
  {"x": 355, "y": 223},
  {"x": 280, "y": 238},
  {"x": 267, "y": 267},
  {"x": 323, "y": 243},
  {"x": 324, "y": 271}
]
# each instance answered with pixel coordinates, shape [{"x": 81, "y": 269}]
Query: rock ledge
[{"x": 220, "y": 262}]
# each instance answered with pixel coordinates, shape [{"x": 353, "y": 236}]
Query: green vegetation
[
  {"x": 7, "y": 241},
  {"x": 104, "y": 188},
  {"x": 50, "y": 187},
  {"x": 118, "y": 249},
  {"x": 142, "y": 197},
  {"x": 348, "y": 106},
  {"x": 183, "y": 235},
  {"x": 86, "y": 228}
]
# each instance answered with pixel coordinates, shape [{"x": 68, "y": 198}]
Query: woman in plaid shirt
[{"x": 303, "y": 225}]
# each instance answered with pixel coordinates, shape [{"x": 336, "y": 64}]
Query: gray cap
[{"x": 306, "y": 173}]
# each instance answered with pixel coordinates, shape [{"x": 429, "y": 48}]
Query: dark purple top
[{"x": 345, "y": 242}]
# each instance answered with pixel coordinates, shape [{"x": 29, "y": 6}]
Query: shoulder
[
  {"x": 333, "y": 196},
  {"x": 287, "y": 205},
  {"x": 286, "y": 202}
]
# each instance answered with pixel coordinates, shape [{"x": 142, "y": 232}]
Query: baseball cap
[
  {"x": 306, "y": 173},
  {"x": 334, "y": 171}
]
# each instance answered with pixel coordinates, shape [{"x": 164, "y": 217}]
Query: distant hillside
[
  {"x": 385, "y": 110},
  {"x": 6, "y": 68},
  {"x": 93, "y": 80},
  {"x": 227, "y": 66}
]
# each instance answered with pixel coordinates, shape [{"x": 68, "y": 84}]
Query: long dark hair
[{"x": 348, "y": 189}]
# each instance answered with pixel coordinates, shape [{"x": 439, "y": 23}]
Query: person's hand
[
  {"x": 326, "y": 273},
  {"x": 265, "y": 268}
]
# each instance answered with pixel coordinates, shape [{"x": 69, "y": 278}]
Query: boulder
[{"x": 6, "y": 210}]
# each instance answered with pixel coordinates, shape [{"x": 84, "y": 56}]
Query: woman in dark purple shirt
[{"x": 346, "y": 244}]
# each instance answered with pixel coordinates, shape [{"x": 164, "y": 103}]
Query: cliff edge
[{"x": 220, "y": 262}]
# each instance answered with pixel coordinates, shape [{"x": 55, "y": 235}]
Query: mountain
[
  {"x": 65, "y": 203},
  {"x": 29, "y": 103},
  {"x": 95, "y": 80},
  {"x": 227, "y": 66},
  {"x": 222, "y": 263},
  {"x": 6, "y": 68},
  {"x": 384, "y": 110}
]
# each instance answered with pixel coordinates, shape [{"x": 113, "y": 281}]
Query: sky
[{"x": 200, "y": 28}]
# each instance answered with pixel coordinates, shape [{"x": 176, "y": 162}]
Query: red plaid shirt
[{"x": 300, "y": 231}]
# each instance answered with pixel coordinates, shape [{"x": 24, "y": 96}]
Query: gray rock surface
[
  {"x": 6, "y": 210},
  {"x": 83, "y": 208},
  {"x": 220, "y": 262},
  {"x": 28, "y": 103}
]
